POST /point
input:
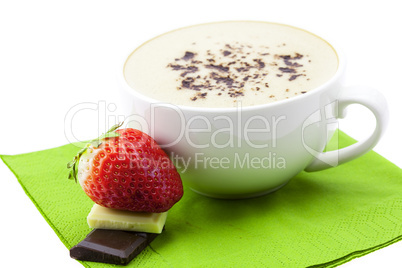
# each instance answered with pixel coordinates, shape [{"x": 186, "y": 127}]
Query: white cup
[{"x": 242, "y": 152}]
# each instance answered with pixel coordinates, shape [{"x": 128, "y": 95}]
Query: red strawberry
[{"x": 125, "y": 169}]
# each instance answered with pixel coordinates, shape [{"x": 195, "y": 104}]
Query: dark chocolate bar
[{"x": 111, "y": 246}]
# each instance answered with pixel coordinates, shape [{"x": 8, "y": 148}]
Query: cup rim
[{"x": 341, "y": 67}]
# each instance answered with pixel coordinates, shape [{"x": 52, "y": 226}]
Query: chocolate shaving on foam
[{"x": 230, "y": 70}]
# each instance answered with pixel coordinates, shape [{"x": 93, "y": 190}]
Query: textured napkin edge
[
  {"x": 356, "y": 254},
  {"x": 55, "y": 229}
]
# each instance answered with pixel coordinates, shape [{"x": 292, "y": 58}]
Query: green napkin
[{"x": 320, "y": 219}]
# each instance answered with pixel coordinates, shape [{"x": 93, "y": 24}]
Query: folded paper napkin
[{"x": 320, "y": 219}]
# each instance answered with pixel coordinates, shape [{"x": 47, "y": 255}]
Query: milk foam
[{"x": 222, "y": 64}]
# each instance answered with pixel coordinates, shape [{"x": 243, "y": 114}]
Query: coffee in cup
[
  {"x": 220, "y": 64},
  {"x": 242, "y": 107}
]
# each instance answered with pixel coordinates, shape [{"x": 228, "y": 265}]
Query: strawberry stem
[
  {"x": 109, "y": 134},
  {"x": 73, "y": 164}
]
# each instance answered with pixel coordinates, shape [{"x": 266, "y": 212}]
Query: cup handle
[{"x": 376, "y": 103}]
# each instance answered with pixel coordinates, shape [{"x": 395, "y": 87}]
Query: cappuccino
[{"x": 228, "y": 64}]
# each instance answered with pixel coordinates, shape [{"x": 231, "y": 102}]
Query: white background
[{"x": 56, "y": 54}]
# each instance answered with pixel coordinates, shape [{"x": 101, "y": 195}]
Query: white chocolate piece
[{"x": 107, "y": 218}]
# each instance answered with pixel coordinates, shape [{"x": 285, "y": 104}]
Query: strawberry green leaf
[
  {"x": 109, "y": 134},
  {"x": 70, "y": 164},
  {"x": 115, "y": 127},
  {"x": 73, "y": 165}
]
